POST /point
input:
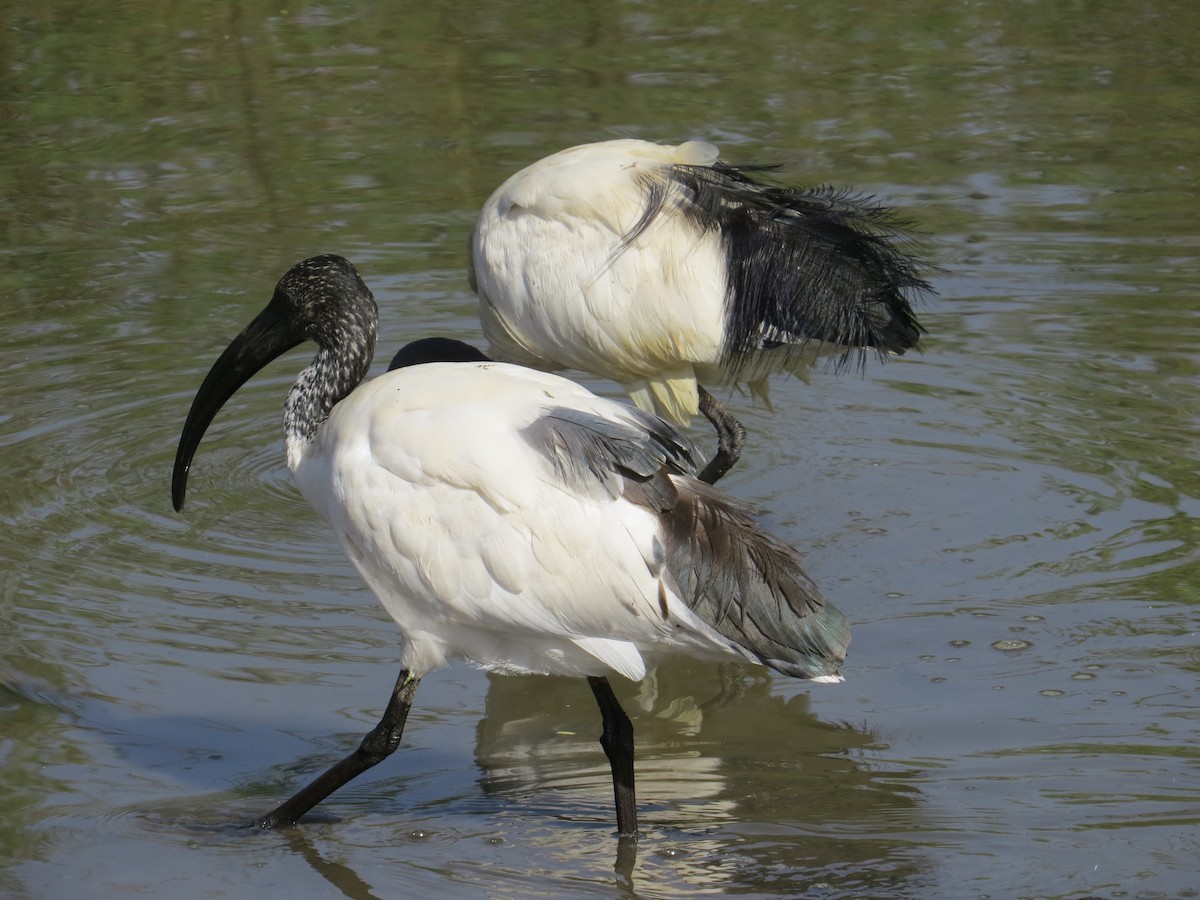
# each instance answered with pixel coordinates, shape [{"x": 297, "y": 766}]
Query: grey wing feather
[
  {"x": 745, "y": 584},
  {"x": 588, "y": 450}
]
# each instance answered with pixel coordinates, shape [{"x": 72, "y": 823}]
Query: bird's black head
[
  {"x": 324, "y": 298},
  {"x": 321, "y": 299}
]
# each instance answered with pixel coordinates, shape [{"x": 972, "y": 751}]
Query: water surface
[{"x": 1009, "y": 519}]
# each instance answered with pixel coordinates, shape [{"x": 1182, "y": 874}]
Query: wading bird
[
  {"x": 664, "y": 269},
  {"x": 511, "y": 518}
]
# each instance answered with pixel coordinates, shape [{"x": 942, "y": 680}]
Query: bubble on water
[
  {"x": 1052, "y": 692},
  {"x": 1083, "y": 676},
  {"x": 1034, "y": 618},
  {"x": 495, "y": 840},
  {"x": 997, "y": 687},
  {"x": 874, "y": 531},
  {"x": 953, "y": 659},
  {"x": 1017, "y": 628},
  {"x": 960, "y": 643},
  {"x": 926, "y": 657},
  {"x": 937, "y": 680},
  {"x": 1009, "y": 645}
]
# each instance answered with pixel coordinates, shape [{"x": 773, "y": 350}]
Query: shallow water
[{"x": 1010, "y": 519}]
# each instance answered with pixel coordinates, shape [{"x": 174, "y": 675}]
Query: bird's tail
[
  {"x": 750, "y": 587},
  {"x": 812, "y": 269}
]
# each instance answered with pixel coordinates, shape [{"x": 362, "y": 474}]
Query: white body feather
[
  {"x": 559, "y": 288},
  {"x": 475, "y": 545}
]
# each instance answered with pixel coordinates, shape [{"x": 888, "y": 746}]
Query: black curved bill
[{"x": 271, "y": 334}]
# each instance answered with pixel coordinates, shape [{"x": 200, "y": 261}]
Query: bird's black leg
[
  {"x": 730, "y": 437},
  {"x": 377, "y": 746},
  {"x": 617, "y": 741}
]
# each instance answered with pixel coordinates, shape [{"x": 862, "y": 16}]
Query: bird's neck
[{"x": 331, "y": 376}]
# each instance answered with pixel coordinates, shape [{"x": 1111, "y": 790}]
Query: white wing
[{"x": 477, "y": 544}]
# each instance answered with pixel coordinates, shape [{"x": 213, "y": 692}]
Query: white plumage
[
  {"x": 513, "y": 519},
  {"x": 664, "y": 269},
  {"x": 476, "y": 545},
  {"x": 560, "y": 287}
]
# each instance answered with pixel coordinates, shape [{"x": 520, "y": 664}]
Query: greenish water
[{"x": 1030, "y": 482}]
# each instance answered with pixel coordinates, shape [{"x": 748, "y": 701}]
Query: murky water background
[{"x": 1010, "y": 520}]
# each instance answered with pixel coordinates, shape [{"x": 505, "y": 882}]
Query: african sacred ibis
[
  {"x": 513, "y": 519},
  {"x": 663, "y": 269}
]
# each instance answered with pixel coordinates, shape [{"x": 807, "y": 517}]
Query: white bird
[
  {"x": 513, "y": 519},
  {"x": 663, "y": 269}
]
